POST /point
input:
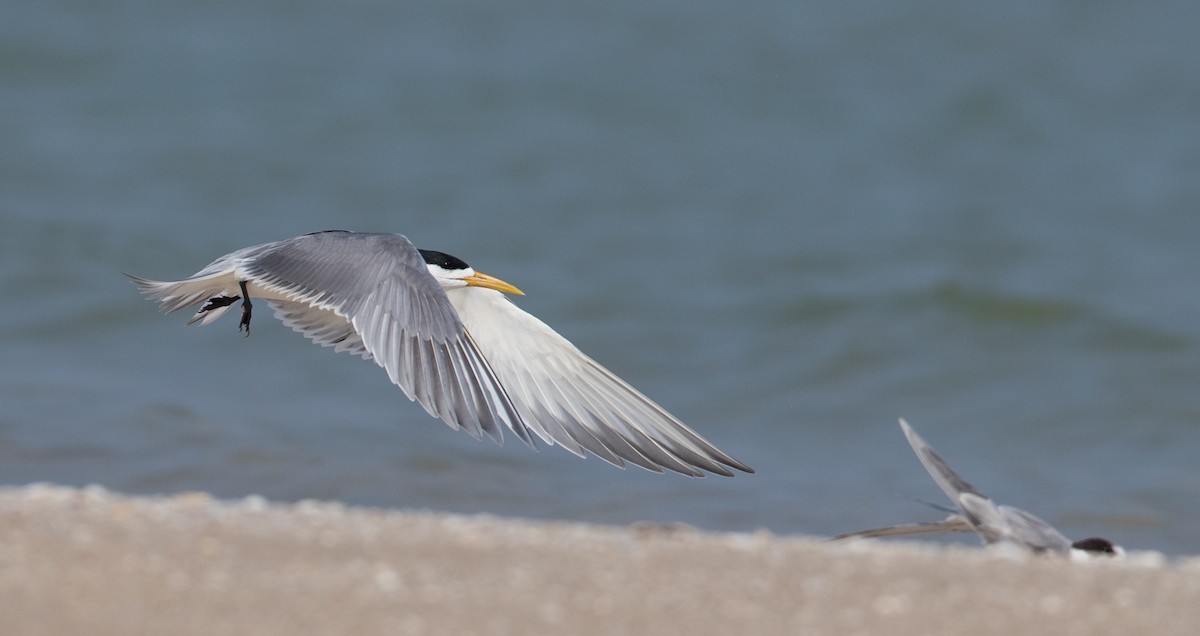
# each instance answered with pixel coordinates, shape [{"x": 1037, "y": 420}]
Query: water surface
[{"x": 789, "y": 225}]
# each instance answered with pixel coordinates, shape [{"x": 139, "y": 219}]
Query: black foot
[{"x": 247, "y": 309}]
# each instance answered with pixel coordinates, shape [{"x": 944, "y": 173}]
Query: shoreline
[{"x": 93, "y": 561}]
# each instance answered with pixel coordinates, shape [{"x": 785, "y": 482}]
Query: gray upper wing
[
  {"x": 949, "y": 481},
  {"x": 380, "y": 285}
]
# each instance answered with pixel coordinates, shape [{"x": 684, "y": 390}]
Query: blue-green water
[{"x": 788, "y": 223}]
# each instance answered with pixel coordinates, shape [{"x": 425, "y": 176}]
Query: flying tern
[{"x": 449, "y": 338}]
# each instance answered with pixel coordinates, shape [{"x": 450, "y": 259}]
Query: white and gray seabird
[
  {"x": 994, "y": 523},
  {"x": 450, "y": 339}
]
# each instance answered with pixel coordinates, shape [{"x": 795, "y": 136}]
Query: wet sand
[{"x": 93, "y": 562}]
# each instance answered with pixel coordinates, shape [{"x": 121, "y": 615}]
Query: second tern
[{"x": 994, "y": 523}]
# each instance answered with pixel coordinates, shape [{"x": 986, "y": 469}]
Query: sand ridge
[{"x": 76, "y": 561}]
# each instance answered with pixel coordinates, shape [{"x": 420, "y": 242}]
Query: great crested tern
[
  {"x": 994, "y": 523},
  {"x": 450, "y": 339}
]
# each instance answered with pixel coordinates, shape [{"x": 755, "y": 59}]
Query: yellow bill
[{"x": 479, "y": 279}]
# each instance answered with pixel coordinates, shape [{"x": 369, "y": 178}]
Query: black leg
[{"x": 247, "y": 308}]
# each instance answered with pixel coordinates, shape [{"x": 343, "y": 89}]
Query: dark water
[{"x": 789, "y": 223}]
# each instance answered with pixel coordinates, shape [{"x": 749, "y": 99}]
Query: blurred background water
[{"x": 789, "y": 223}]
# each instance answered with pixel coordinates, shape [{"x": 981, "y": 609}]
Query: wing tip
[{"x": 144, "y": 285}]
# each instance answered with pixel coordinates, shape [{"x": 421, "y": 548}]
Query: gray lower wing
[
  {"x": 322, "y": 326},
  {"x": 953, "y": 523}
]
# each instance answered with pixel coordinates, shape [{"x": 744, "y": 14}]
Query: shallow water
[{"x": 789, "y": 226}]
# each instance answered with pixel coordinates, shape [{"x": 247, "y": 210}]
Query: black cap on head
[
  {"x": 1095, "y": 544},
  {"x": 443, "y": 260}
]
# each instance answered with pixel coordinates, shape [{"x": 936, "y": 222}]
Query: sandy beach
[{"x": 88, "y": 561}]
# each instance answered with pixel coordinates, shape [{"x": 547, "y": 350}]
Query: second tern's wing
[
  {"x": 953, "y": 523},
  {"x": 949, "y": 481}
]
